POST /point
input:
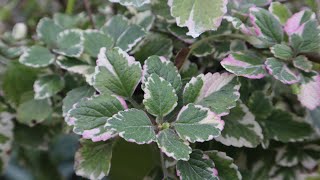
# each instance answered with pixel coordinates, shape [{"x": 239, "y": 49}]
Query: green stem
[
  {"x": 70, "y": 6},
  {"x": 163, "y": 166},
  {"x": 134, "y": 103}
]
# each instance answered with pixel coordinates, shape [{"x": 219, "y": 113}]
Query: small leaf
[
  {"x": 47, "y": 86},
  {"x": 124, "y": 34},
  {"x": 93, "y": 159},
  {"x": 154, "y": 44},
  {"x": 75, "y": 96},
  {"x": 34, "y": 111},
  {"x": 116, "y": 72},
  {"x": 241, "y": 129},
  {"x": 133, "y": 125},
  {"x": 170, "y": 144},
  {"x": 164, "y": 69},
  {"x": 48, "y": 30},
  {"x": 309, "y": 94},
  {"x": 70, "y": 43},
  {"x": 280, "y": 71},
  {"x": 266, "y": 26},
  {"x": 218, "y": 92},
  {"x": 247, "y": 65},
  {"x": 94, "y": 40},
  {"x": 198, "y": 167},
  {"x": 136, "y": 3},
  {"x": 37, "y": 56},
  {"x": 225, "y": 165},
  {"x": 295, "y": 130},
  {"x": 160, "y": 98},
  {"x": 197, "y": 15},
  {"x": 198, "y": 124},
  {"x": 281, "y": 11},
  {"x": 282, "y": 51},
  {"x": 302, "y": 62},
  {"x": 90, "y": 115},
  {"x": 260, "y": 105},
  {"x": 6, "y": 138}
]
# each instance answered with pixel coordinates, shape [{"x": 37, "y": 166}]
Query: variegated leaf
[
  {"x": 309, "y": 94},
  {"x": 133, "y": 125},
  {"x": 37, "y": 56},
  {"x": 197, "y": 124},
  {"x": 280, "y": 71},
  {"x": 116, "y": 72},
  {"x": 280, "y": 11},
  {"x": 136, "y": 3},
  {"x": 302, "y": 62},
  {"x": 47, "y": 86},
  {"x": 94, "y": 40},
  {"x": 6, "y": 138},
  {"x": 282, "y": 51},
  {"x": 48, "y": 31},
  {"x": 70, "y": 43}
]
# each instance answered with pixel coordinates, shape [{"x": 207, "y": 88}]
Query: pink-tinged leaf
[
  {"x": 295, "y": 24},
  {"x": 309, "y": 95},
  {"x": 280, "y": 71},
  {"x": 253, "y": 20}
]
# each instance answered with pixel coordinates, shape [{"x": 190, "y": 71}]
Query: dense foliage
[{"x": 157, "y": 89}]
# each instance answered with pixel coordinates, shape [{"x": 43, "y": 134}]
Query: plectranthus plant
[{"x": 162, "y": 89}]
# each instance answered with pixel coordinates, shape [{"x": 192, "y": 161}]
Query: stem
[
  {"x": 88, "y": 9},
  {"x": 134, "y": 103},
  {"x": 163, "y": 166},
  {"x": 70, "y": 6}
]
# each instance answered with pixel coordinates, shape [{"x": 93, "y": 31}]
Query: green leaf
[
  {"x": 260, "y": 105},
  {"x": 241, "y": 129},
  {"x": 116, "y": 72},
  {"x": 75, "y": 96},
  {"x": 6, "y": 138},
  {"x": 282, "y": 51},
  {"x": 34, "y": 111},
  {"x": 17, "y": 80},
  {"x": 197, "y": 124},
  {"x": 154, "y": 44},
  {"x": 70, "y": 43},
  {"x": 136, "y": 3},
  {"x": 65, "y": 20},
  {"x": 266, "y": 26},
  {"x": 280, "y": 71},
  {"x": 133, "y": 125},
  {"x": 170, "y": 144},
  {"x": 281, "y": 11},
  {"x": 244, "y": 64},
  {"x": 161, "y": 10},
  {"x": 198, "y": 16},
  {"x": 294, "y": 130},
  {"x": 219, "y": 92},
  {"x": 37, "y": 56},
  {"x": 94, "y": 40},
  {"x": 124, "y": 34},
  {"x": 47, "y": 86},
  {"x": 89, "y": 116},
  {"x": 93, "y": 159},
  {"x": 144, "y": 19},
  {"x": 225, "y": 165},
  {"x": 302, "y": 62},
  {"x": 198, "y": 167},
  {"x": 164, "y": 69},
  {"x": 160, "y": 98},
  {"x": 48, "y": 30}
]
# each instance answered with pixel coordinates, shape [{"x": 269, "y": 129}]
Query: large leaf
[
  {"x": 124, "y": 34},
  {"x": 225, "y": 165},
  {"x": 47, "y": 86},
  {"x": 94, "y": 40},
  {"x": 93, "y": 159},
  {"x": 34, "y": 111},
  {"x": 70, "y": 43},
  {"x": 280, "y": 71},
  {"x": 197, "y": 124},
  {"x": 90, "y": 115},
  {"x": 75, "y": 96},
  {"x": 160, "y": 98},
  {"x": 309, "y": 94},
  {"x": 6, "y": 138},
  {"x": 48, "y": 31},
  {"x": 241, "y": 129},
  {"x": 170, "y": 144},
  {"x": 198, "y": 167},
  {"x": 116, "y": 72},
  {"x": 294, "y": 130},
  {"x": 136, "y": 3},
  {"x": 37, "y": 56},
  {"x": 133, "y": 125},
  {"x": 296, "y": 22},
  {"x": 198, "y": 15},
  {"x": 219, "y": 92},
  {"x": 247, "y": 65},
  {"x": 164, "y": 69}
]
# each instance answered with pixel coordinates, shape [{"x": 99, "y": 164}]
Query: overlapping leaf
[
  {"x": 37, "y": 56},
  {"x": 70, "y": 43},
  {"x": 94, "y": 40},
  {"x": 280, "y": 71},
  {"x": 47, "y": 86}
]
